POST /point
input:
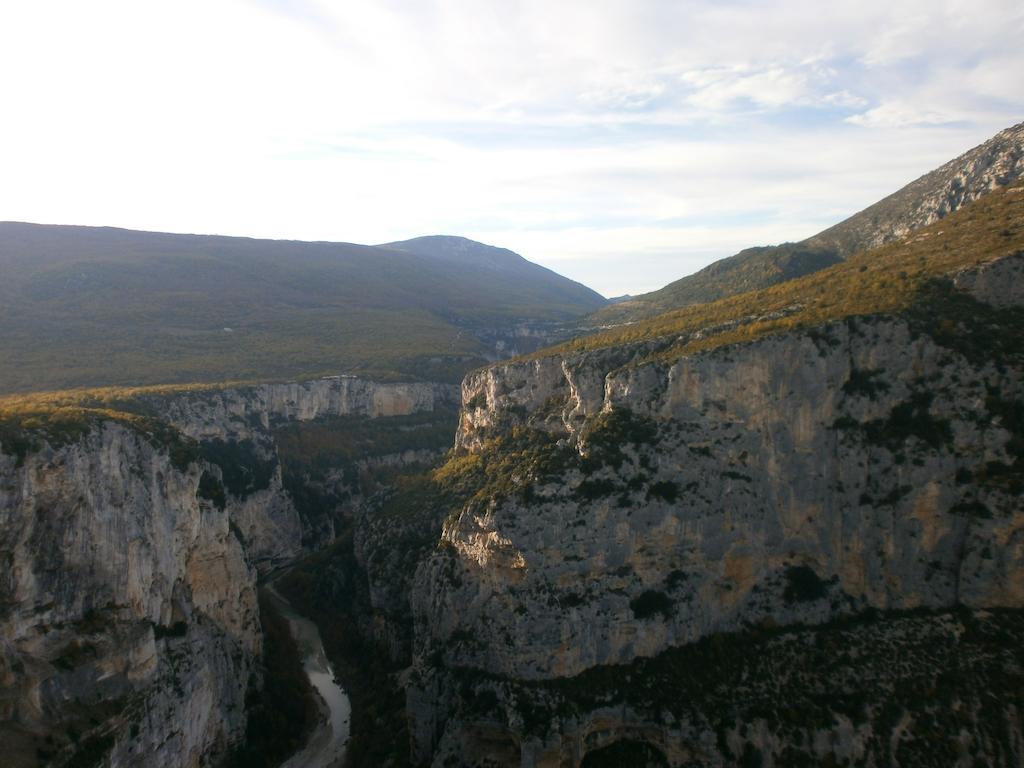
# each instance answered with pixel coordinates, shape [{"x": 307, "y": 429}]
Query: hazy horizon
[{"x": 621, "y": 146}]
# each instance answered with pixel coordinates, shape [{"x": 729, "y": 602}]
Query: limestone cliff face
[
  {"x": 242, "y": 412},
  {"x": 522, "y": 339},
  {"x": 797, "y": 479},
  {"x": 129, "y": 628},
  {"x": 242, "y": 417},
  {"x": 129, "y": 611},
  {"x": 841, "y": 457}
]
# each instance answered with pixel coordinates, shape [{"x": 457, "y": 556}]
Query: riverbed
[{"x": 328, "y": 742}]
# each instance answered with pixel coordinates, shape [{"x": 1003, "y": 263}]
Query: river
[{"x": 328, "y": 742}]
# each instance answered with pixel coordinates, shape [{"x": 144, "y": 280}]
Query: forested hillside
[{"x": 84, "y": 306}]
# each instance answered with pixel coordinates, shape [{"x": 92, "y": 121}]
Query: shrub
[
  {"x": 664, "y": 489},
  {"x": 971, "y": 509},
  {"x": 211, "y": 489},
  {"x": 911, "y": 418},
  {"x": 244, "y": 471},
  {"x": 803, "y": 585},
  {"x": 865, "y": 382},
  {"x": 650, "y": 604},
  {"x": 594, "y": 489},
  {"x": 609, "y": 432}
]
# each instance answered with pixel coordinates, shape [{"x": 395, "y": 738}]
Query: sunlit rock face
[
  {"x": 798, "y": 479},
  {"x": 997, "y": 162}
]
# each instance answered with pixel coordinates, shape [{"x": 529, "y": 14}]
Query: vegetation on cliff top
[
  {"x": 885, "y": 280},
  {"x": 749, "y": 270},
  {"x": 24, "y": 431},
  {"x": 114, "y": 398},
  {"x": 63, "y": 417}
]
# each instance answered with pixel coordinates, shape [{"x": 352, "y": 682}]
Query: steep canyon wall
[
  {"x": 871, "y": 464},
  {"x": 129, "y": 627}
]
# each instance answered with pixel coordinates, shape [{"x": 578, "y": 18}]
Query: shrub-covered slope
[
  {"x": 85, "y": 306},
  {"x": 999, "y": 161},
  {"x": 888, "y": 279}
]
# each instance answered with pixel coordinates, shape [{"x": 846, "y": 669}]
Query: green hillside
[
  {"x": 936, "y": 194},
  {"x": 897, "y": 277},
  {"x": 748, "y": 270},
  {"x": 504, "y": 266},
  {"x": 85, "y": 306}
]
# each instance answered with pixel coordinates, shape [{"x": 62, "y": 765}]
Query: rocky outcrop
[
  {"x": 910, "y": 690},
  {"x": 754, "y": 468},
  {"x": 1000, "y": 283},
  {"x": 869, "y": 464},
  {"x": 130, "y": 623},
  {"x": 997, "y": 162},
  {"x": 237, "y": 413}
]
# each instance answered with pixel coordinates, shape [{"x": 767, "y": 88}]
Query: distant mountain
[
  {"x": 997, "y": 162},
  {"x": 546, "y": 287},
  {"x": 88, "y": 306}
]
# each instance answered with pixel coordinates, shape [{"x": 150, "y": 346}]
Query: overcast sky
[{"x": 623, "y": 144}]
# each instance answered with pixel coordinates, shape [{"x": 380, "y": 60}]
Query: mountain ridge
[
  {"x": 95, "y": 306},
  {"x": 887, "y": 280},
  {"x": 465, "y": 251},
  {"x": 996, "y": 162}
]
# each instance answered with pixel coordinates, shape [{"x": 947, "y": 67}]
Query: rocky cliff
[
  {"x": 997, "y": 162},
  {"x": 236, "y": 428},
  {"x": 623, "y": 508},
  {"x": 130, "y": 624},
  {"x": 131, "y": 541},
  {"x": 239, "y": 413}
]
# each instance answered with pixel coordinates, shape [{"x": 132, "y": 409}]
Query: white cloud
[
  {"x": 622, "y": 143},
  {"x": 895, "y": 114}
]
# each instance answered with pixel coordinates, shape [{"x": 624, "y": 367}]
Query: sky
[{"x": 622, "y": 144}]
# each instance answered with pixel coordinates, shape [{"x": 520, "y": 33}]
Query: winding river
[{"x": 328, "y": 742}]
